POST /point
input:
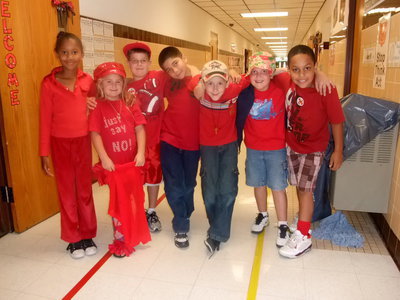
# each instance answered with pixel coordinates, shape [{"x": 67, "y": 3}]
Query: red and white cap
[
  {"x": 108, "y": 68},
  {"x": 214, "y": 68},
  {"x": 137, "y": 45}
]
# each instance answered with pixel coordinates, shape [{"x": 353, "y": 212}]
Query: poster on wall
[
  {"x": 381, "y": 55},
  {"x": 369, "y": 55},
  {"x": 394, "y": 54}
]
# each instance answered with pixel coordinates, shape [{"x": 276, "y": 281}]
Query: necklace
[
  {"x": 215, "y": 119},
  {"x": 119, "y": 110}
]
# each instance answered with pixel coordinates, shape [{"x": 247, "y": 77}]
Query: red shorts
[{"x": 152, "y": 166}]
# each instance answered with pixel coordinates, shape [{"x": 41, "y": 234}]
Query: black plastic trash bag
[{"x": 366, "y": 117}]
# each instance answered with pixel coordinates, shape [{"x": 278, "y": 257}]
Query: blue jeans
[
  {"x": 179, "y": 171},
  {"x": 219, "y": 186}
]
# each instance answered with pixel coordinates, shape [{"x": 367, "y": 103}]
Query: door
[{"x": 28, "y": 37}]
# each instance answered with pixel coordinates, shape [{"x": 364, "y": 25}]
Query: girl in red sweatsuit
[{"x": 64, "y": 134}]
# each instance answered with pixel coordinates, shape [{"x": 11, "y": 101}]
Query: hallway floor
[{"x": 35, "y": 266}]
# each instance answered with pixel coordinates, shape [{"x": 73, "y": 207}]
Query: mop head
[{"x": 337, "y": 229}]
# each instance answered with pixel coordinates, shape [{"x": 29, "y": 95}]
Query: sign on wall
[{"x": 381, "y": 57}]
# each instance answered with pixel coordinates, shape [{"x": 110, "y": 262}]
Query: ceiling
[{"x": 301, "y": 14}]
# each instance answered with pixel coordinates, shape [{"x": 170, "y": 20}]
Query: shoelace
[
  {"x": 153, "y": 218},
  {"x": 259, "y": 218}
]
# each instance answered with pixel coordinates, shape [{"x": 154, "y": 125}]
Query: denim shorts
[{"x": 267, "y": 168}]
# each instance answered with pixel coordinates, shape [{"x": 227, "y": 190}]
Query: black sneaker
[
  {"x": 153, "y": 221},
  {"x": 212, "y": 245},
  {"x": 89, "y": 246},
  {"x": 181, "y": 240},
  {"x": 76, "y": 250},
  {"x": 260, "y": 223},
  {"x": 283, "y": 235}
]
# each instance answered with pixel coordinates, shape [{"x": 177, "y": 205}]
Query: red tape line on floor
[{"x": 95, "y": 268}]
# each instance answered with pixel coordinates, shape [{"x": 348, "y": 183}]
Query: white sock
[
  {"x": 150, "y": 210},
  {"x": 282, "y": 223},
  {"x": 264, "y": 213}
]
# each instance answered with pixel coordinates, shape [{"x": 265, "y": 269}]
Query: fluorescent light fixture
[
  {"x": 276, "y": 43},
  {"x": 278, "y": 47},
  {"x": 338, "y": 36},
  {"x": 265, "y": 14},
  {"x": 274, "y": 37},
  {"x": 271, "y": 29}
]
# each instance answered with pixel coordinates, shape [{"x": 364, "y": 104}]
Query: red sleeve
[
  {"x": 282, "y": 80},
  {"x": 92, "y": 90},
  {"x": 334, "y": 108},
  {"x": 95, "y": 119},
  {"x": 233, "y": 90},
  {"x": 193, "y": 82},
  {"x": 137, "y": 115},
  {"x": 46, "y": 111}
]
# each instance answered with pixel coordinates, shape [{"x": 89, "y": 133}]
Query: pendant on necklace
[{"x": 216, "y": 130}]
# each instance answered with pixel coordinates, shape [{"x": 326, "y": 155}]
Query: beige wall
[{"x": 392, "y": 93}]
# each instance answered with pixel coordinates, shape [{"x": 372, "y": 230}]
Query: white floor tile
[
  {"x": 281, "y": 281},
  {"x": 56, "y": 282},
  {"x": 6, "y": 294},
  {"x": 154, "y": 289},
  {"x": 17, "y": 273},
  {"x": 372, "y": 264},
  {"x": 379, "y": 287},
  {"x": 201, "y": 293},
  {"x": 229, "y": 274},
  {"x": 339, "y": 261},
  {"x": 104, "y": 286},
  {"x": 322, "y": 284}
]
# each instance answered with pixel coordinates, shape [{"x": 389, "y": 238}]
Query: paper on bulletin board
[
  {"x": 108, "y": 43},
  {"x": 394, "y": 54},
  {"x": 108, "y": 29},
  {"x": 368, "y": 55},
  {"x": 109, "y": 56},
  {"x": 87, "y": 26},
  {"x": 98, "y": 43},
  {"x": 381, "y": 57},
  {"x": 87, "y": 42},
  {"x": 98, "y": 28},
  {"x": 98, "y": 58},
  {"x": 88, "y": 60}
]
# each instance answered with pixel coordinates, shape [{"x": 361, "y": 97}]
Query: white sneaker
[
  {"x": 76, "y": 250},
  {"x": 293, "y": 226},
  {"x": 283, "y": 235},
  {"x": 259, "y": 224},
  {"x": 297, "y": 245}
]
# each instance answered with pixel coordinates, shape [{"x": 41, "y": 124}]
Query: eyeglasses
[{"x": 137, "y": 61}]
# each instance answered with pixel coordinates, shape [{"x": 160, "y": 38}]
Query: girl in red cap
[
  {"x": 64, "y": 133},
  {"x": 118, "y": 136}
]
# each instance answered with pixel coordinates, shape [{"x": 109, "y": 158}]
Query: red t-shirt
[
  {"x": 217, "y": 118},
  {"x": 265, "y": 125},
  {"x": 308, "y": 116},
  {"x": 149, "y": 91},
  {"x": 180, "y": 126},
  {"x": 63, "y": 112},
  {"x": 116, "y": 122}
]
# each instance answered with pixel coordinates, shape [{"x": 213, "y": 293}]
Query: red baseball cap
[
  {"x": 137, "y": 45},
  {"x": 107, "y": 68}
]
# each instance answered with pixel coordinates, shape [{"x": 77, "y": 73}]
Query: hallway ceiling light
[
  {"x": 271, "y": 29},
  {"x": 275, "y": 43},
  {"x": 273, "y": 37},
  {"x": 265, "y": 14}
]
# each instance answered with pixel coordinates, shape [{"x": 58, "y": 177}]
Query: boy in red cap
[
  {"x": 119, "y": 138},
  {"x": 149, "y": 87}
]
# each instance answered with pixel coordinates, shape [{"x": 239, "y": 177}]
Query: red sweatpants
[{"x": 72, "y": 161}]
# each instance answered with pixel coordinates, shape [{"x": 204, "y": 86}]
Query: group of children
[{"x": 139, "y": 142}]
